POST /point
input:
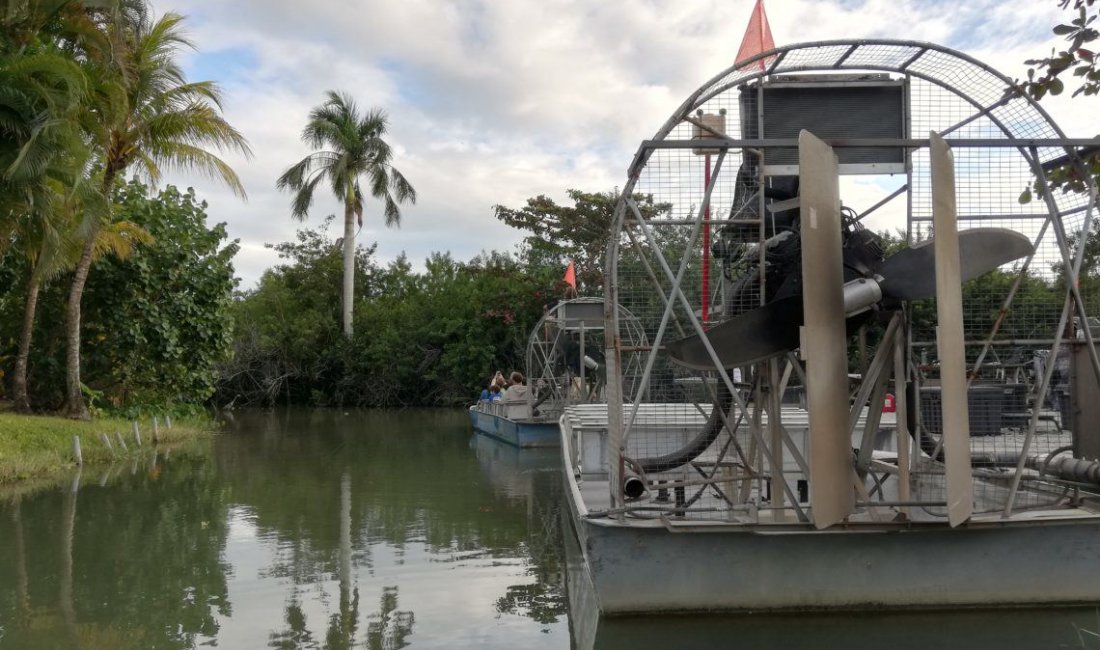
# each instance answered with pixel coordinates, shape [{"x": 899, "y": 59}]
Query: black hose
[{"x": 699, "y": 444}]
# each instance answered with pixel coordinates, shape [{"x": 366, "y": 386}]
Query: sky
[{"x": 495, "y": 101}]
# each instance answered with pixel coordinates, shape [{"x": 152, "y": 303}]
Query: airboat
[
  {"x": 564, "y": 354},
  {"x": 740, "y": 245}
]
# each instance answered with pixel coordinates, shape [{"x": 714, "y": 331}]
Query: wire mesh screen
[
  {"x": 565, "y": 355},
  {"x": 709, "y": 236}
]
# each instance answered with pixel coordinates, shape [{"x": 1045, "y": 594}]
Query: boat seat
[{"x": 516, "y": 409}]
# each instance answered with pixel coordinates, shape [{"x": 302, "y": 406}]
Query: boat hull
[
  {"x": 648, "y": 570},
  {"x": 515, "y": 432},
  {"x": 640, "y": 566}
]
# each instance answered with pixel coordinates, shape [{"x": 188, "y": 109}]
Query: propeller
[
  {"x": 772, "y": 329},
  {"x": 910, "y": 275}
]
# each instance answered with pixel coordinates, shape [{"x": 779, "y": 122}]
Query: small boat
[
  {"x": 513, "y": 423},
  {"x": 563, "y": 354}
]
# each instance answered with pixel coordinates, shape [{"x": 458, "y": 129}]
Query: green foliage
[
  {"x": 154, "y": 325},
  {"x": 428, "y": 338},
  {"x": 1046, "y": 76},
  {"x": 158, "y": 342},
  {"x": 580, "y": 232}
]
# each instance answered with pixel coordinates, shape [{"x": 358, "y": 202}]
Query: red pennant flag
[
  {"x": 571, "y": 275},
  {"x": 758, "y": 36}
]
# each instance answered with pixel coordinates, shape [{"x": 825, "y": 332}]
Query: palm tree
[
  {"x": 147, "y": 116},
  {"x": 51, "y": 252},
  {"x": 43, "y": 154},
  {"x": 352, "y": 148}
]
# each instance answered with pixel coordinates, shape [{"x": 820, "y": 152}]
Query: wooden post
[
  {"x": 76, "y": 451},
  {"x": 107, "y": 442},
  {"x": 121, "y": 442},
  {"x": 137, "y": 437},
  {"x": 168, "y": 422},
  {"x": 156, "y": 429}
]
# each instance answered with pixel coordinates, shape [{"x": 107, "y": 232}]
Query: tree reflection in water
[
  {"x": 301, "y": 516},
  {"x": 389, "y": 628},
  {"x": 543, "y": 600}
]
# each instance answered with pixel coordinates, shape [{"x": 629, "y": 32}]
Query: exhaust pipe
[{"x": 633, "y": 486}]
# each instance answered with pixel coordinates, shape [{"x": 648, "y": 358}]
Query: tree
[
  {"x": 42, "y": 152},
  {"x": 158, "y": 342},
  {"x": 580, "y": 232},
  {"x": 47, "y": 241},
  {"x": 158, "y": 118},
  {"x": 1046, "y": 77},
  {"x": 287, "y": 329},
  {"x": 354, "y": 148}
]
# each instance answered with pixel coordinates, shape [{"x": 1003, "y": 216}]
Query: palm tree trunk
[
  {"x": 19, "y": 381},
  {"x": 349, "y": 265},
  {"x": 74, "y": 400}
]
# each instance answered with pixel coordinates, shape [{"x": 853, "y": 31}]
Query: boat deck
[{"x": 715, "y": 489}]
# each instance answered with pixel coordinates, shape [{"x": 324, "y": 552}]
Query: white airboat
[{"x": 691, "y": 491}]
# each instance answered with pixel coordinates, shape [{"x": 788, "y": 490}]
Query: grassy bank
[{"x": 35, "y": 446}]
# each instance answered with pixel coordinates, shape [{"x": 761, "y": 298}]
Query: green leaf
[{"x": 1025, "y": 197}]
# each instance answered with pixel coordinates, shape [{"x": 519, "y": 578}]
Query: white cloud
[{"x": 494, "y": 102}]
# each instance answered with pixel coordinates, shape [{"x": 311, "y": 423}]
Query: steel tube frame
[
  {"x": 757, "y": 437},
  {"x": 777, "y": 57}
]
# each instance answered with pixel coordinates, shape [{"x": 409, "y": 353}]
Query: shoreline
[{"x": 39, "y": 448}]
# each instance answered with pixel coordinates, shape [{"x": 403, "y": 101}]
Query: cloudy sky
[{"x": 494, "y": 101}]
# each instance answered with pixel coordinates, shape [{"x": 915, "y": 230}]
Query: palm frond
[
  {"x": 303, "y": 198},
  {"x": 119, "y": 239},
  {"x": 355, "y": 148},
  {"x": 403, "y": 191}
]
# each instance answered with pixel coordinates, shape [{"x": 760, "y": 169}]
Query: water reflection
[
  {"x": 136, "y": 565},
  {"x": 305, "y": 529},
  {"x": 320, "y": 529},
  {"x": 533, "y": 477}
]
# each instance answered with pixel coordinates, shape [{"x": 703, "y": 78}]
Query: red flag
[
  {"x": 758, "y": 36},
  {"x": 571, "y": 275}
]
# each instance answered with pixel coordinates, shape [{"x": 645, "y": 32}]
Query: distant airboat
[{"x": 564, "y": 354}]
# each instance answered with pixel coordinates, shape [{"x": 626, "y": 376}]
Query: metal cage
[{"x": 694, "y": 242}]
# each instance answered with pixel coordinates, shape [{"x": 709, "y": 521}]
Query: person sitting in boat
[
  {"x": 494, "y": 393},
  {"x": 484, "y": 397},
  {"x": 498, "y": 380},
  {"x": 517, "y": 391}
]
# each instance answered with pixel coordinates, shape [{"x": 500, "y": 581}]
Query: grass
[{"x": 38, "y": 446}]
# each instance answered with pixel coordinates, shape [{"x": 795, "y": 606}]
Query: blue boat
[{"x": 513, "y": 424}]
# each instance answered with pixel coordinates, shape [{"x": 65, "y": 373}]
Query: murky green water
[{"x": 320, "y": 529}]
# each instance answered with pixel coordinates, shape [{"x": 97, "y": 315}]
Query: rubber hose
[{"x": 699, "y": 444}]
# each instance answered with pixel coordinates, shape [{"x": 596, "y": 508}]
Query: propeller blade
[
  {"x": 950, "y": 258},
  {"x": 910, "y": 275},
  {"x": 824, "y": 345},
  {"x": 753, "y": 336}
]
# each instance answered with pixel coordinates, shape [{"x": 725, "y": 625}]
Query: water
[{"x": 325, "y": 529}]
